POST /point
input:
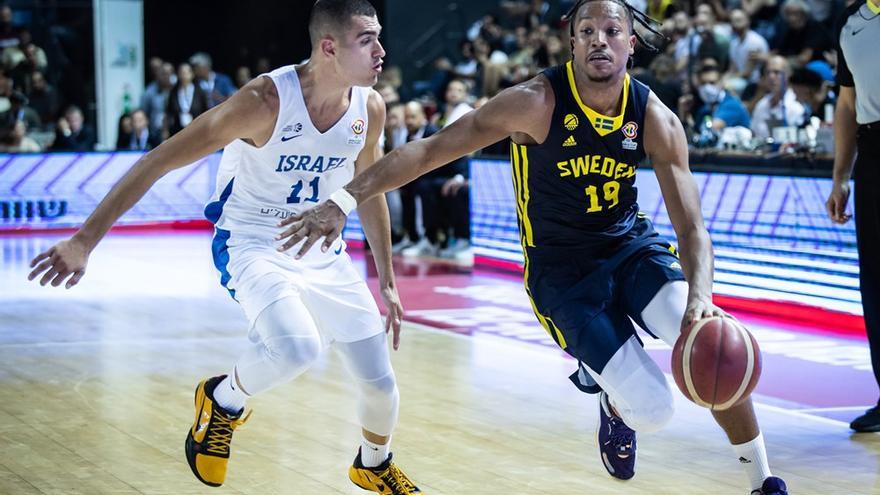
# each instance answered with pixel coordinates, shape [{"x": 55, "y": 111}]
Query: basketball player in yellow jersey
[
  {"x": 592, "y": 260},
  {"x": 291, "y": 137}
]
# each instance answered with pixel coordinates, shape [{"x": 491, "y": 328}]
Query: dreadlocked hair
[{"x": 633, "y": 15}]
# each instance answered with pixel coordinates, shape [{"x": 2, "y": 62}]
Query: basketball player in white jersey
[{"x": 292, "y": 137}]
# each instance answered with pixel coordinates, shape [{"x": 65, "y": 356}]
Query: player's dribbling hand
[
  {"x": 697, "y": 309},
  {"x": 325, "y": 220},
  {"x": 395, "y": 313},
  {"x": 61, "y": 261}
]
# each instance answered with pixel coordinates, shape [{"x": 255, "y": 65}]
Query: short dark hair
[
  {"x": 708, "y": 65},
  {"x": 333, "y": 16},
  {"x": 806, "y": 77}
]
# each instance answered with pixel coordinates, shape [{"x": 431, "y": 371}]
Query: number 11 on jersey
[{"x": 297, "y": 189}]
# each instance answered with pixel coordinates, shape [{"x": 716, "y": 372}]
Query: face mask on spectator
[{"x": 710, "y": 93}]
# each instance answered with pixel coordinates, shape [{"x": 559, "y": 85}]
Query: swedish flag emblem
[{"x": 604, "y": 124}]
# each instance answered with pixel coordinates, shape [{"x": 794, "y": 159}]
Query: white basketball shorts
[{"x": 330, "y": 287}]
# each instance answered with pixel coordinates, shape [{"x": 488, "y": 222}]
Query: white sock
[
  {"x": 753, "y": 457},
  {"x": 229, "y": 395},
  {"x": 373, "y": 454}
]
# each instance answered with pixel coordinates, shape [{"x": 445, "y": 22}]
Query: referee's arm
[{"x": 845, "y": 131}]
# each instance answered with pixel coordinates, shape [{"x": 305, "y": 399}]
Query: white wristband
[{"x": 344, "y": 200}]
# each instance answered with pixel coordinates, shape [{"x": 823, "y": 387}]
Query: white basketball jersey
[{"x": 295, "y": 170}]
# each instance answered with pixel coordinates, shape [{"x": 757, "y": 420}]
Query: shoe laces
[
  {"x": 397, "y": 480},
  {"x": 219, "y": 435},
  {"x": 621, "y": 436}
]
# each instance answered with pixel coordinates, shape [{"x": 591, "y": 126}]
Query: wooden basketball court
[{"x": 97, "y": 382}]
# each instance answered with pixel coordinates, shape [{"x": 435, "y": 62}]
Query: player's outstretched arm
[
  {"x": 666, "y": 146},
  {"x": 249, "y": 114},
  {"x": 518, "y": 109}
]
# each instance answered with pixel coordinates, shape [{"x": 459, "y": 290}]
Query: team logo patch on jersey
[
  {"x": 604, "y": 124},
  {"x": 571, "y": 122},
  {"x": 569, "y": 142},
  {"x": 298, "y": 127},
  {"x": 358, "y": 126},
  {"x": 630, "y": 132}
]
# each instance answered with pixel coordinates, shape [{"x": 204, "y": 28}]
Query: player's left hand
[
  {"x": 325, "y": 220},
  {"x": 698, "y": 308},
  {"x": 395, "y": 313}
]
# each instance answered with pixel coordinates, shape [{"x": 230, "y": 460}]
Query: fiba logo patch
[
  {"x": 630, "y": 131},
  {"x": 358, "y": 127},
  {"x": 571, "y": 122}
]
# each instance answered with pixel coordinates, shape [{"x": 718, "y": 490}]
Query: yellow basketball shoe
[
  {"x": 207, "y": 442},
  {"x": 386, "y": 478}
]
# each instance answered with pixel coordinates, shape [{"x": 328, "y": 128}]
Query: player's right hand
[
  {"x": 61, "y": 261},
  {"x": 325, "y": 220},
  {"x": 836, "y": 204}
]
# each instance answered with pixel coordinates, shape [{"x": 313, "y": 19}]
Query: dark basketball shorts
[{"x": 587, "y": 301}]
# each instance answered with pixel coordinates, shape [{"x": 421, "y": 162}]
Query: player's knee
[
  {"x": 293, "y": 351},
  {"x": 382, "y": 390},
  {"x": 651, "y": 413}
]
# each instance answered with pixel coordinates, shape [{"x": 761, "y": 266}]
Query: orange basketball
[{"x": 716, "y": 363}]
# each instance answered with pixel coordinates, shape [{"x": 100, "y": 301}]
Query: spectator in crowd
[
  {"x": 825, "y": 11},
  {"x": 8, "y": 33},
  {"x": 141, "y": 138},
  {"x": 814, "y": 93},
  {"x": 18, "y": 141},
  {"x": 661, "y": 79},
  {"x": 124, "y": 132},
  {"x": 155, "y": 98},
  {"x": 6, "y": 86},
  {"x": 700, "y": 44},
  {"x": 154, "y": 66},
  {"x": 456, "y": 103},
  {"x": 17, "y": 111},
  {"x": 394, "y": 136},
  {"x": 72, "y": 134},
  {"x": 43, "y": 98},
  {"x": 720, "y": 109},
  {"x": 388, "y": 92},
  {"x": 764, "y": 15},
  {"x": 445, "y": 194},
  {"x": 780, "y": 107},
  {"x": 185, "y": 102},
  {"x": 414, "y": 244},
  {"x": 711, "y": 42},
  {"x": 802, "y": 39},
  {"x": 468, "y": 66},
  {"x": 395, "y": 129},
  {"x": 242, "y": 76},
  {"x": 22, "y": 73},
  {"x": 748, "y": 49},
  {"x": 14, "y": 55},
  {"x": 216, "y": 86},
  {"x": 454, "y": 204}
]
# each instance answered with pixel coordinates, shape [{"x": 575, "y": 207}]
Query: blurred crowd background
[{"x": 752, "y": 76}]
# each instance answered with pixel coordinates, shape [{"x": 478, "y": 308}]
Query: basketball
[{"x": 716, "y": 363}]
